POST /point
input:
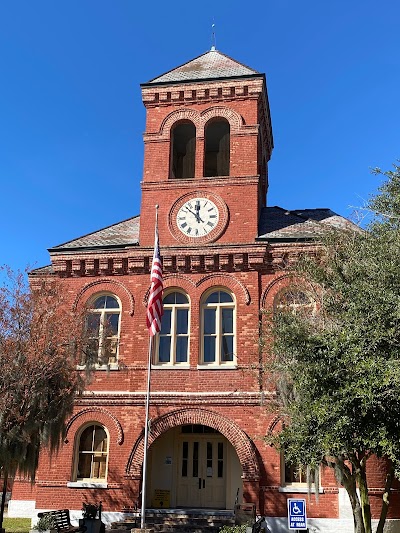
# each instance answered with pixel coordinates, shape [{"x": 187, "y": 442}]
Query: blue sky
[{"x": 71, "y": 116}]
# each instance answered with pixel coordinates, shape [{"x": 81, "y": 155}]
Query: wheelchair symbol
[{"x": 296, "y": 509}]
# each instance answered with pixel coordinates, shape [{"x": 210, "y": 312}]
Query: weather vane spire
[{"x": 213, "y": 37}]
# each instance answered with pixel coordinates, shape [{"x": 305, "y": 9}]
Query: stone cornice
[{"x": 112, "y": 398}]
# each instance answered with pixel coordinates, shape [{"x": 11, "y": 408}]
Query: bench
[{"x": 62, "y": 521}]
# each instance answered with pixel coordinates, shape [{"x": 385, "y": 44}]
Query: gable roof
[
  {"x": 211, "y": 65},
  {"x": 125, "y": 233},
  {"x": 280, "y": 224}
]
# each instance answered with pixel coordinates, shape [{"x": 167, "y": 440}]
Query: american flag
[{"x": 155, "y": 304}]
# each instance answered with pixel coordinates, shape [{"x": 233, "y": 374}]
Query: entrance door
[{"x": 201, "y": 476}]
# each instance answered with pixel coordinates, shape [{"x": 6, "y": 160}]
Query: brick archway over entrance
[{"x": 237, "y": 437}]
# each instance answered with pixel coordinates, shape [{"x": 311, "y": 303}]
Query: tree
[
  {"x": 337, "y": 372},
  {"x": 41, "y": 342}
]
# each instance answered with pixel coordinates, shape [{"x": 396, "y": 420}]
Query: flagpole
[
  {"x": 146, "y": 438},
  {"x": 154, "y": 326}
]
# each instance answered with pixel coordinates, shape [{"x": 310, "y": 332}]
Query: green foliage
[
  {"x": 90, "y": 510},
  {"x": 235, "y": 529},
  {"x": 338, "y": 372},
  {"x": 45, "y": 522}
]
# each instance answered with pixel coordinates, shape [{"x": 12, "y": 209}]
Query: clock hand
[
  {"x": 191, "y": 212},
  {"x": 198, "y": 219}
]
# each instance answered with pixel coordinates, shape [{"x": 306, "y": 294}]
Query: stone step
[
  {"x": 193, "y": 522},
  {"x": 180, "y": 521},
  {"x": 186, "y": 529},
  {"x": 200, "y": 522}
]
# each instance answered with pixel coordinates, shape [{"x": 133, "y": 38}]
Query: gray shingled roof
[
  {"x": 125, "y": 233},
  {"x": 275, "y": 223},
  {"x": 211, "y": 65},
  {"x": 48, "y": 269},
  {"x": 280, "y": 224}
]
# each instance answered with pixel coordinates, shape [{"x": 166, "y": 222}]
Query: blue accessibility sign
[{"x": 297, "y": 514}]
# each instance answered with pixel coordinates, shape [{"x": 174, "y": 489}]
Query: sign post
[{"x": 297, "y": 517}]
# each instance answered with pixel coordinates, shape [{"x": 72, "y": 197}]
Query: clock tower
[{"x": 208, "y": 141}]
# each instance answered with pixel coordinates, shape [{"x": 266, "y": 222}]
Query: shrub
[{"x": 46, "y": 522}]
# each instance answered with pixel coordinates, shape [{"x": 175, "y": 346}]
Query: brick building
[{"x": 207, "y": 141}]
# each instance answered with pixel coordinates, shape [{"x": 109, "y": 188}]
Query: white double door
[{"x": 202, "y": 471}]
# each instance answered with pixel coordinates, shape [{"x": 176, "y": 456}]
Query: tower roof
[{"x": 211, "y": 65}]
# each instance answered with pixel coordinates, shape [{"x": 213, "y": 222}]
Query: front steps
[{"x": 177, "y": 520}]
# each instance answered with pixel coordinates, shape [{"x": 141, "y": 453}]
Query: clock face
[{"x": 197, "y": 217}]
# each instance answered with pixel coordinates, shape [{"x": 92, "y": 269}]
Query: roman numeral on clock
[{"x": 197, "y": 217}]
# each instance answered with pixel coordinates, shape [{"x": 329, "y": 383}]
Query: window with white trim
[
  {"x": 102, "y": 329},
  {"x": 92, "y": 454},
  {"x": 218, "y": 328},
  {"x": 296, "y": 301},
  {"x": 294, "y": 474},
  {"x": 173, "y": 340}
]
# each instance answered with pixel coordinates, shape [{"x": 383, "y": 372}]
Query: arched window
[
  {"x": 92, "y": 454},
  {"x": 103, "y": 324},
  {"x": 183, "y": 150},
  {"x": 296, "y": 301},
  {"x": 173, "y": 340},
  {"x": 217, "y": 148},
  {"x": 218, "y": 328}
]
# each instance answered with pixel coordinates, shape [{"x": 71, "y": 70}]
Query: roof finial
[{"x": 213, "y": 37}]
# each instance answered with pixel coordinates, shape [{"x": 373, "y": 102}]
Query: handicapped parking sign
[{"x": 297, "y": 517}]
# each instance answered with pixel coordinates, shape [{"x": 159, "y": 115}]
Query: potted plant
[{"x": 91, "y": 518}]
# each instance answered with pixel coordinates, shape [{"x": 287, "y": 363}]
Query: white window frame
[
  {"x": 218, "y": 329},
  {"x": 85, "y": 480},
  {"x": 296, "y": 486},
  {"x": 102, "y": 312},
  {"x": 174, "y": 309},
  {"x": 295, "y": 307}
]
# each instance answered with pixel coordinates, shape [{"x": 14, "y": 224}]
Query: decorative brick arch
[
  {"x": 104, "y": 284},
  {"x": 173, "y": 280},
  {"x": 199, "y": 120},
  {"x": 284, "y": 279},
  {"x": 95, "y": 414},
  {"x": 235, "y": 120},
  {"x": 275, "y": 425},
  {"x": 237, "y": 437},
  {"x": 279, "y": 283},
  {"x": 176, "y": 116},
  {"x": 225, "y": 280}
]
